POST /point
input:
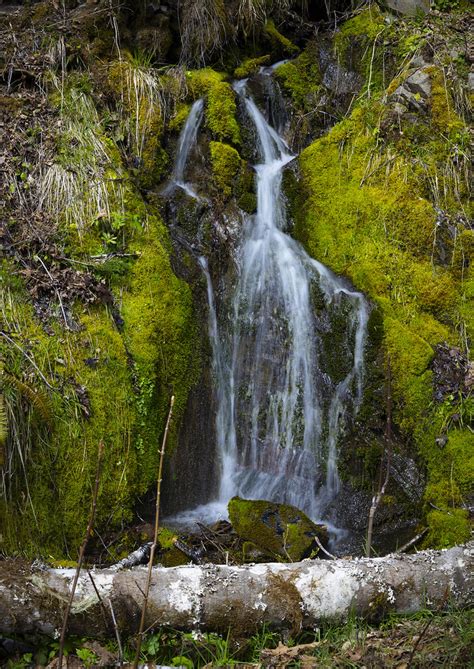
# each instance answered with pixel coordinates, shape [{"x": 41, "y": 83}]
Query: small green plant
[
  {"x": 25, "y": 662},
  {"x": 88, "y": 657},
  {"x": 446, "y": 5}
]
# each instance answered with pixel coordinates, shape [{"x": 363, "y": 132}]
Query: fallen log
[{"x": 219, "y": 598}]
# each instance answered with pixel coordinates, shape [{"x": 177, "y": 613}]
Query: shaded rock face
[
  {"x": 337, "y": 78},
  {"x": 279, "y": 530}
]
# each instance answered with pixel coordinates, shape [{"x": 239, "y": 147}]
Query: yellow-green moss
[
  {"x": 92, "y": 400},
  {"x": 277, "y": 529},
  {"x": 279, "y": 41},
  {"x": 366, "y": 24},
  {"x": 301, "y": 78},
  {"x": 226, "y": 164},
  {"x": 220, "y": 113},
  {"x": 220, "y": 108},
  {"x": 448, "y": 529},
  {"x": 201, "y": 81},
  {"x": 161, "y": 338},
  {"x": 250, "y": 66},
  {"x": 444, "y": 116},
  {"x": 179, "y": 119},
  {"x": 375, "y": 224}
]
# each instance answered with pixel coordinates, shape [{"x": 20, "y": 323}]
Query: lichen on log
[{"x": 241, "y": 599}]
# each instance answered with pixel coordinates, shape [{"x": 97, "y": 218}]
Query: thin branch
[
  {"x": 412, "y": 542},
  {"x": 117, "y": 633},
  {"x": 155, "y": 538},
  {"x": 330, "y": 555}
]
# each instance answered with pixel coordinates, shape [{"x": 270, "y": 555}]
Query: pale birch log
[{"x": 216, "y": 597}]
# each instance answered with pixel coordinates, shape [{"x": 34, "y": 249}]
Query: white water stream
[
  {"x": 187, "y": 140},
  {"x": 279, "y": 416}
]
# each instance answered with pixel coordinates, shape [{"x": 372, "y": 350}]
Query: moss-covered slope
[{"x": 387, "y": 206}]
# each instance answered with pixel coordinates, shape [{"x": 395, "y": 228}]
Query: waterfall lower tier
[{"x": 281, "y": 407}]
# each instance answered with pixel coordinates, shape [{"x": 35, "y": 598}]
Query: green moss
[
  {"x": 201, "y": 81},
  {"x": 448, "y": 529},
  {"x": 220, "y": 113},
  {"x": 221, "y": 108},
  {"x": 359, "y": 45},
  {"x": 278, "y": 41},
  {"x": 226, "y": 164},
  {"x": 445, "y": 118},
  {"x": 161, "y": 338},
  {"x": 301, "y": 78},
  {"x": 248, "y": 202},
  {"x": 179, "y": 119},
  {"x": 375, "y": 225},
  {"x": 90, "y": 400},
  {"x": 250, "y": 66},
  {"x": 366, "y": 24}
]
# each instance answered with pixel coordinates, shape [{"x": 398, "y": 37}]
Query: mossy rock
[
  {"x": 250, "y": 66},
  {"x": 280, "y": 43},
  {"x": 226, "y": 163},
  {"x": 279, "y": 530}
]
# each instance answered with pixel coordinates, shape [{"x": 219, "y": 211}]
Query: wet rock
[
  {"x": 278, "y": 530},
  {"x": 408, "y": 477},
  {"x": 335, "y": 77},
  {"x": 339, "y": 80}
]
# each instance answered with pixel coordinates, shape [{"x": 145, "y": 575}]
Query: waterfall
[
  {"x": 279, "y": 414},
  {"x": 187, "y": 140}
]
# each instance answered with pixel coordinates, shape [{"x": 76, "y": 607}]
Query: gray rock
[
  {"x": 470, "y": 81},
  {"x": 418, "y": 61},
  {"x": 414, "y": 92},
  {"x": 419, "y": 82},
  {"x": 410, "y": 7}
]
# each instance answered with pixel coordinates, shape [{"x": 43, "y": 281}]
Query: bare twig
[
  {"x": 101, "y": 601},
  {"x": 82, "y": 551},
  {"x": 333, "y": 557},
  {"x": 117, "y": 633},
  {"x": 194, "y": 555},
  {"x": 412, "y": 542},
  {"x": 155, "y": 538}
]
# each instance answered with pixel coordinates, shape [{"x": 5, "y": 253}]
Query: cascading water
[
  {"x": 279, "y": 413},
  {"x": 187, "y": 140}
]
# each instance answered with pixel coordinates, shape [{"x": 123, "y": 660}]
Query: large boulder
[
  {"x": 279, "y": 530},
  {"x": 409, "y": 7}
]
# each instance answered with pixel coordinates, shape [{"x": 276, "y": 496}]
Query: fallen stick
[
  {"x": 412, "y": 542},
  {"x": 218, "y": 597}
]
